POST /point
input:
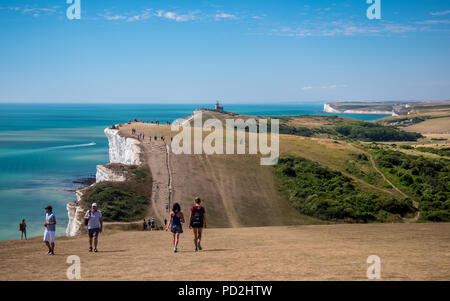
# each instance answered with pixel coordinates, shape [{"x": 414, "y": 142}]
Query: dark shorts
[
  {"x": 197, "y": 226},
  {"x": 176, "y": 229},
  {"x": 93, "y": 232}
]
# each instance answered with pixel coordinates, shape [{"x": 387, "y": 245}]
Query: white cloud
[
  {"x": 339, "y": 28},
  {"x": 260, "y": 17},
  {"x": 113, "y": 18},
  {"x": 440, "y": 13},
  {"x": 334, "y": 86},
  {"x": 307, "y": 88},
  {"x": 433, "y": 22},
  {"x": 175, "y": 17},
  {"x": 223, "y": 15}
]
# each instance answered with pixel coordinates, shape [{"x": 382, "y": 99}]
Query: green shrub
[
  {"x": 366, "y": 131},
  {"x": 327, "y": 194}
]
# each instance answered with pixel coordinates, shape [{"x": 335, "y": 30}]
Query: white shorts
[{"x": 49, "y": 236}]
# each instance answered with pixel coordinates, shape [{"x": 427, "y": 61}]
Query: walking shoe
[
  {"x": 199, "y": 247},
  {"x": 175, "y": 250},
  {"x": 196, "y": 250},
  {"x": 95, "y": 250},
  {"x": 90, "y": 249}
]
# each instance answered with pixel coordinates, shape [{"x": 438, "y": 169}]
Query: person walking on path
[
  {"x": 23, "y": 229},
  {"x": 197, "y": 221},
  {"x": 50, "y": 228},
  {"x": 175, "y": 223},
  {"x": 95, "y": 225},
  {"x": 144, "y": 225},
  {"x": 152, "y": 224}
]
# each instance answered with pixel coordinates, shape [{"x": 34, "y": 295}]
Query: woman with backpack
[
  {"x": 197, "y": 221},
  {"x": 175, "y": 223}
]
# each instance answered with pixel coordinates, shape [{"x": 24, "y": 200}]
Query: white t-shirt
[{"x": 94, "y": 221}]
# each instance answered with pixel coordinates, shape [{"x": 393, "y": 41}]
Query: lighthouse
[{"x": 218, "y": 108}]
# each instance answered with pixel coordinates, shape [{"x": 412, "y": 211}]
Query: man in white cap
[{"x": 95, "y": 225}]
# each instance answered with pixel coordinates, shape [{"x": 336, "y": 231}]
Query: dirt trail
[{"x": 157, "y": 160}]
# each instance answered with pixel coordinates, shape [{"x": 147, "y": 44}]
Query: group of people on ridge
[{"x": 94, "y": 222}]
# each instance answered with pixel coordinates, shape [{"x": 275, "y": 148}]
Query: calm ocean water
[{"x": 44, "y": 147}]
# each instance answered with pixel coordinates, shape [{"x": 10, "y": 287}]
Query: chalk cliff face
[
  {"x": 76, "y": 214},
  {"x": 121, "y": 150},
  {"x": 106, "y": 174},
  {"x": 327, "y": 108}
]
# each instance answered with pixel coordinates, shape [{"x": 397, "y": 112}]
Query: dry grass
[
  {"x": 321, "y": 252},
  {"x": 431, "y": 126}
]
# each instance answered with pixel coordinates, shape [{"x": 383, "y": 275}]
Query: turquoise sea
[{"x": 45, "y": 147}]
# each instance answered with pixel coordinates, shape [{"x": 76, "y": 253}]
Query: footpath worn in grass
[{"x": 316, "y": 252}]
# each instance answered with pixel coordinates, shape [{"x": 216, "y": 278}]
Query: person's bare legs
[
  {"x": 95, "y": 242},
  {"x": 51, "y": 247},
  {"x": 48, "y": 246},
  {"x": 177, "y": 238},
  {"x": 199, "y": 237},
  {"x": 195, "y": 230},
  {"x": 90, "y": 243}
]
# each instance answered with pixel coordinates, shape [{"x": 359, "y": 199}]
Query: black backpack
[
  {"x": 197, "y": 217},
  {"x": 86, "y": 221}
]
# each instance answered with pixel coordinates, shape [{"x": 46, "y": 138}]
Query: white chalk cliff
[
  {"x": 121, "y": 150},
  {"x": 106, "y": 174},
  {"x": 327, "y": 108}
]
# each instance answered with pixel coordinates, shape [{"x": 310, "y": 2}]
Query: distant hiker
[
  {"x": 150, "y": 138},
  {"x": 95, "y": 225},
  {"x": 165, "y": 222},
  {"x": 156, "y": 137},
  {"x": 152, "y": 223},
  {"x": 50, "y": 228},
  {"x": 197, "y": 221},
  {"x": 144, "y": 225},
  {"x": 133, "y": 131},
  {"x": 175, "y": 224},
  {"x": 23, "y": 229}
]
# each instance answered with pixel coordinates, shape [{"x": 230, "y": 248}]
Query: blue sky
[{"x": 235, "y": 51}]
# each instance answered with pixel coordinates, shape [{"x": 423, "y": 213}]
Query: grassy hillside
[
  {"x": 122, "y": 201},
  {"x": 327, "y": 194},
  {"x": 427, "y": 180}
]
